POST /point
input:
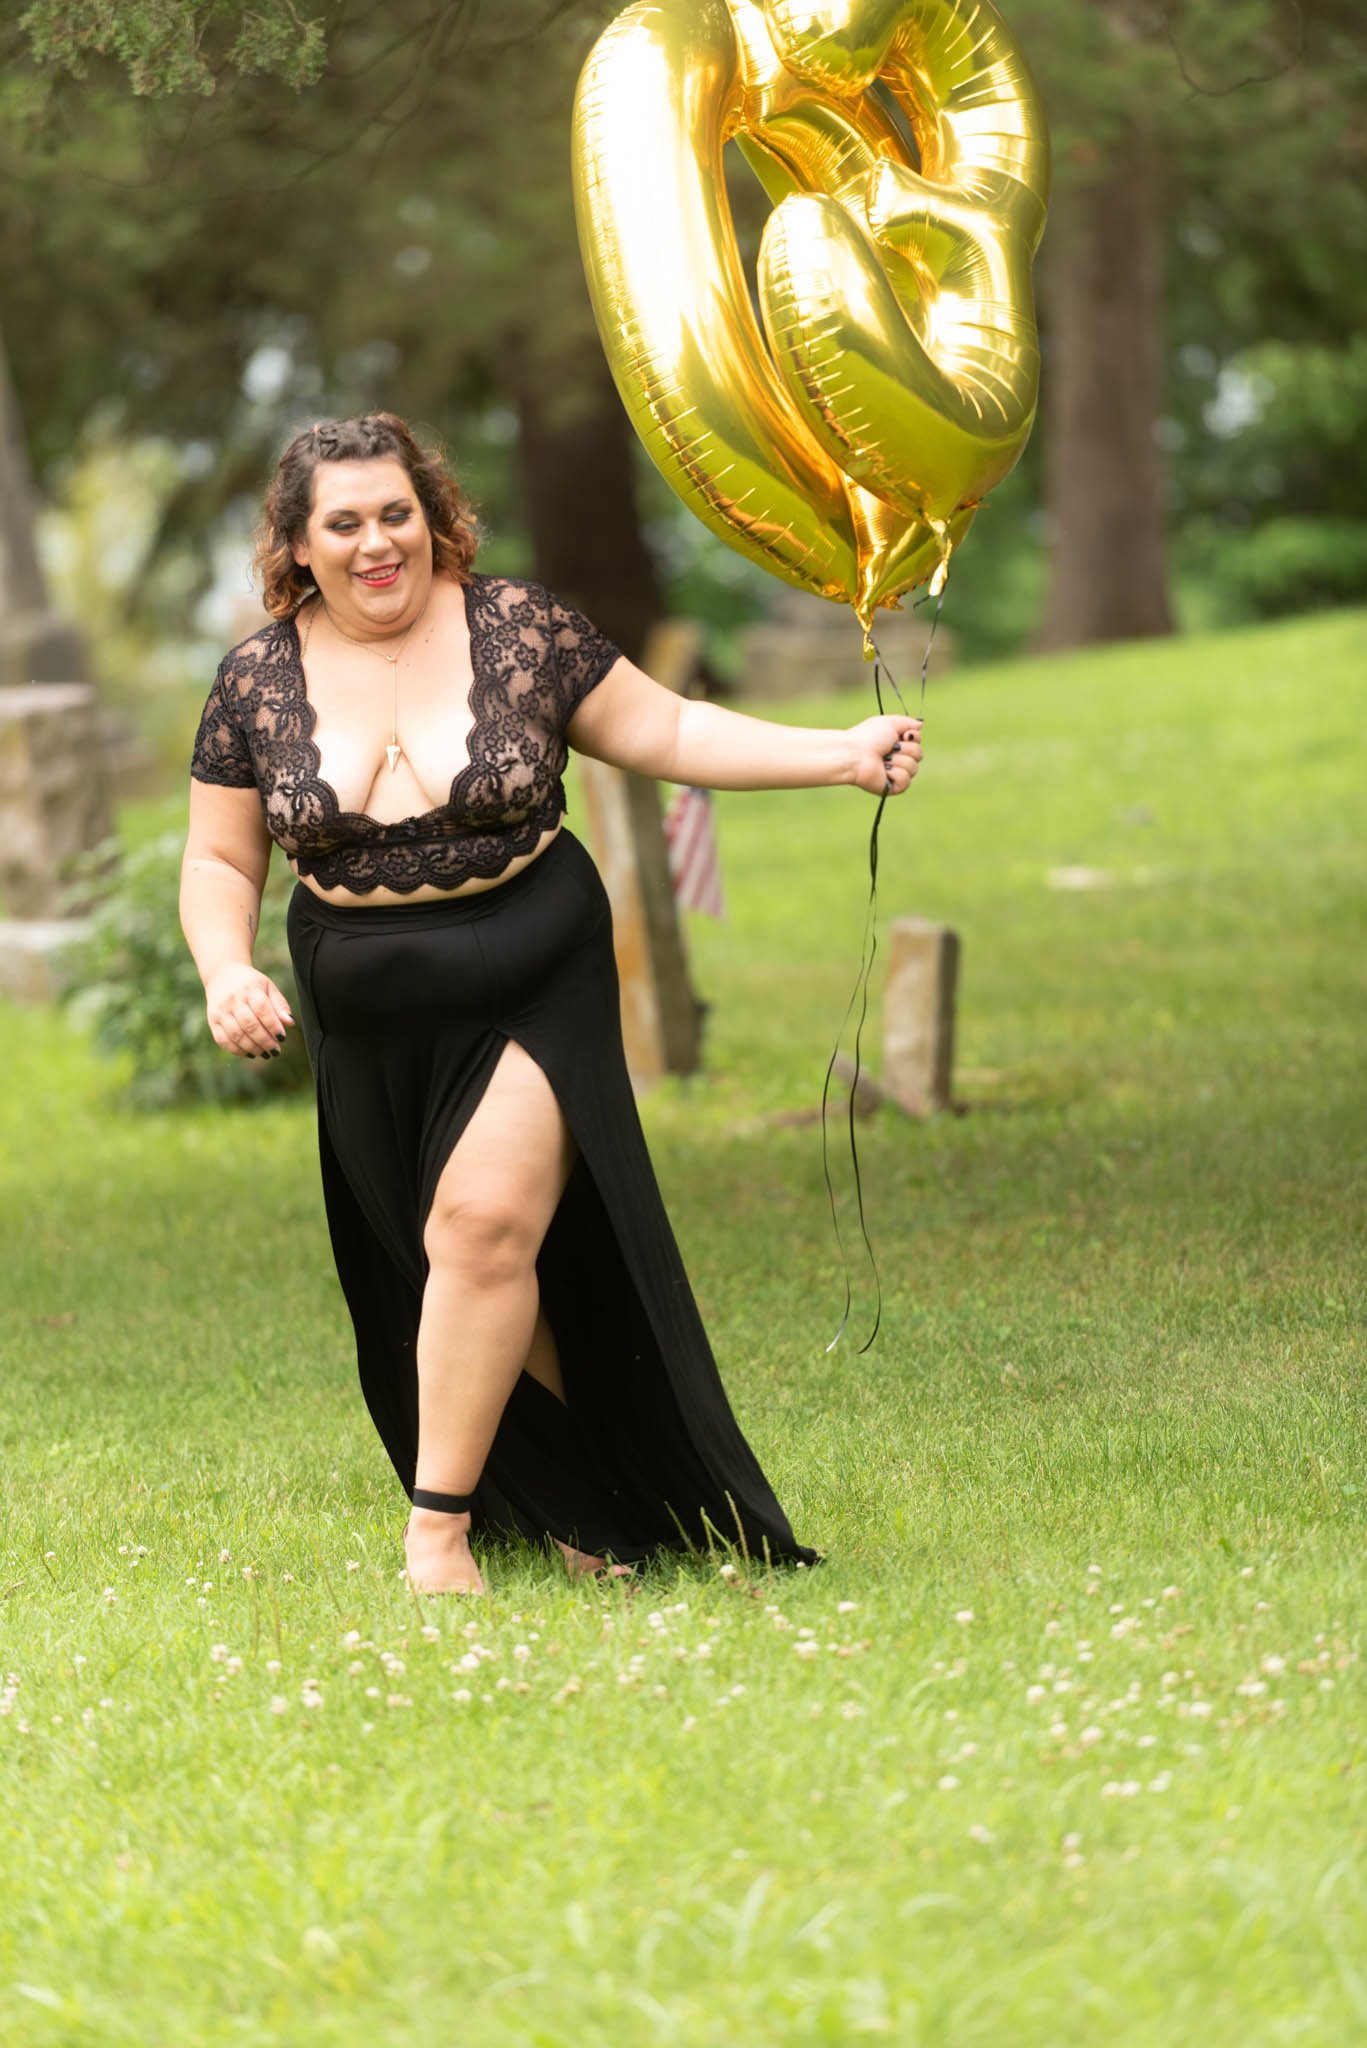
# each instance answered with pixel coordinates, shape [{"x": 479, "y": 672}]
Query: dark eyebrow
[{"x": 394, "y": 505}]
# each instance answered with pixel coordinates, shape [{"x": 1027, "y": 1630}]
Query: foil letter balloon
[{"x": 843, "y": 435}]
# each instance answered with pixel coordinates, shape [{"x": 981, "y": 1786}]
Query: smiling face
[{"x": 368, "y": 545}]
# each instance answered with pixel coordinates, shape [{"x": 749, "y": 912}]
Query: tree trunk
[
  {"x": 580, "y": 498},
  {"x": 1101, "y": 400}
]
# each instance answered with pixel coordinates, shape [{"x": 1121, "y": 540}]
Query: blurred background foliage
[{"x": 247, "y": 219}]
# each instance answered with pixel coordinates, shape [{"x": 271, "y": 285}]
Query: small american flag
[{"x": 691, "y": 840}]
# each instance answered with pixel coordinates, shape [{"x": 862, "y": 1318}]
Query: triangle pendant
[{"x": 393, "y": 752}]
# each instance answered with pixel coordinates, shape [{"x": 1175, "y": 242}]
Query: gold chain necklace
[{"x": 393, "y": 749}]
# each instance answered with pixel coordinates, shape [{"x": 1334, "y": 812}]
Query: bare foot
[
  {"x": 437, "y": 1546},
  {"x": 582, "y": 1564}
]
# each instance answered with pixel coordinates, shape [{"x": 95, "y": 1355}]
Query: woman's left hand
[{"x": 888, "y": 754}]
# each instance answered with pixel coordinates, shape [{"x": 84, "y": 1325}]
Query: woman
[{"x": 527, "y": 1341}]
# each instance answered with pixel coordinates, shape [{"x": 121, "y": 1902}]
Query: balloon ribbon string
[{"x": 860, "y": 994}]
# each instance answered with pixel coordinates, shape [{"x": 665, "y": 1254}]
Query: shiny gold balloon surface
[{"x": 846, "y": 445}]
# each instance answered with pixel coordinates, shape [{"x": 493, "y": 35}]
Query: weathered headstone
[
  {"x": 809, "y": 647},
  {"x": 918, "y": 1014},
  {"x": 661, "y": 1015},
  {"x": 54, "y": 792}
]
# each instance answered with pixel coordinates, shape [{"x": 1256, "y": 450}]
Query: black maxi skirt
[{"x": 405, "y": 1009}]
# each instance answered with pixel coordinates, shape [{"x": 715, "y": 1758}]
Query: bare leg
[
  {"x": 543, "y": 1363},
  {"x": 492, "y": 1207},
  {"x": 543, "y": 1360}
]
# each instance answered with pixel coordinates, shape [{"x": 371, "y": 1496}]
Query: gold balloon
[{"x": 846, "y": 446}]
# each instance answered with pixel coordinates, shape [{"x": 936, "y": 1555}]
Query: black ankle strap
[{"x": 452, "y": 1503}]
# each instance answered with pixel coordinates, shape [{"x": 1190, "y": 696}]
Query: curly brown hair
[{"x": 289, "y": 500}]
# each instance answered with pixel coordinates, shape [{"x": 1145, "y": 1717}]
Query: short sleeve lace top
[{"x": 534, "y": 659}]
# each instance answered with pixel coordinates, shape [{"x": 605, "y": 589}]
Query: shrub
[
  {"x": 133, "y": 982},
  {"x": 1293, "y": 563}
]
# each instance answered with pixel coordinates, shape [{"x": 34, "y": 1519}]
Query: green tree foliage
[
  {"x": 175, "y": 46},
  {"x": 249, "y": 214}
]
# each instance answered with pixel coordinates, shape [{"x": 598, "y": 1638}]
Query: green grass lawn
[{"x": 1065, "y": 1743}]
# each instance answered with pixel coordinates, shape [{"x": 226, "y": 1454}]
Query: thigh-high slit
[{"x": 405, "y": 1010}]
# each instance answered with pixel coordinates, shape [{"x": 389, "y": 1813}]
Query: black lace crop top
[{"x": 534, "y": 658}]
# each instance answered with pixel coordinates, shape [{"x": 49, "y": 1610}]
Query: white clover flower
[
  {"x": 978, "y": 1833},
  {"x": 1161, "y": 1782},
  {"x": 1034, "y": 1694},
  {"x": 726, "y": 1571},
  {"x": 846, "y": 1606},
  {"x": 279, "y": 1705},
  {"x": 1092, "y": 1735},
  {"x": 352, "y": 1565},
  {"x": 850, "y": 1710},
  {"x": 1273, "y": 1666},
  {"x": 461, "y": 1697},
  {"x": 964, "y": 1615},
  {"x": 949, "y": 1783},
  {"x": 521, "y": 1652},
  {"x": 806, "y": 1648}
]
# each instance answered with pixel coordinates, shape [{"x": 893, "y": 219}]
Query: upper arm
[
  {"x": 227, "y": 820},
  {"x": 228, "y": 825},
  {"x": 629, "y": 720}
]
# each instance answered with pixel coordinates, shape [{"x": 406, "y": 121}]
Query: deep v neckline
[{"x": 333, "y": 804}]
